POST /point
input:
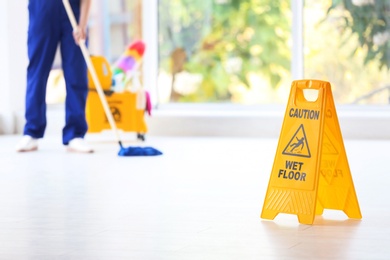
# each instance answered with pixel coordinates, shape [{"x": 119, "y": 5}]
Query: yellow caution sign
[{"x": 310, "y": 171}]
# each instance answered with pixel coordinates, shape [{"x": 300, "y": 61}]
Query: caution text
[{"x": 304, "y": 113}]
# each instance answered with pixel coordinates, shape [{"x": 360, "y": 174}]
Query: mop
[{"x": 129, "y": 151}]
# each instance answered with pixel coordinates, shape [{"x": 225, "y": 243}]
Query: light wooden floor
[{"x": 200, "y": 200}]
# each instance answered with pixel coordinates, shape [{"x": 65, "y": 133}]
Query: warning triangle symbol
[{"x": 298, "y": 145}]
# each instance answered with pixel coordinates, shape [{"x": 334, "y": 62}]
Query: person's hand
[{"x": 79, "y": 34}]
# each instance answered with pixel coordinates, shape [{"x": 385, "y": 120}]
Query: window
[
  {"x": 239, "y": 51},
  {"x": 230, "y": 51}
]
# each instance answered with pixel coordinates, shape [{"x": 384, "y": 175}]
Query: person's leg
[
  {"x": 75, "y": 72},
  {"x": 43, "y": 37},
  {"x": 42, "y": 41}
]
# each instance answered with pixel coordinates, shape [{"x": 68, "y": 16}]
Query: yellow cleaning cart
[{"x": 125, "y": 108}]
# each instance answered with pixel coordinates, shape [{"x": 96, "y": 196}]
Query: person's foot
[
  {"x": 79, "y": 145},
  {"x": 27, "y": 144}
]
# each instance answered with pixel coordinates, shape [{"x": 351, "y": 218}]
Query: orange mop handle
[{"x": 92, "y": 71}]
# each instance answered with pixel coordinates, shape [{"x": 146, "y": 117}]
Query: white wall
[{"x": 13, "y": 62}]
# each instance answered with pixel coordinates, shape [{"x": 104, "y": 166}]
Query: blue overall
[{"x": 48, "y": 27}]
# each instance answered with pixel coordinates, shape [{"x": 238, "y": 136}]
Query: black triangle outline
[
  {"x": 307, "y": 145},
  {"x": 327, "y": 136}
]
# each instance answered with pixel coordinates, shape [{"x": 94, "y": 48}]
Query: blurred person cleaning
[{"x": 49, "y": 26}]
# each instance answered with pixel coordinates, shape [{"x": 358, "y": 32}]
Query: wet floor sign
[{"x": 310, "y": 171}]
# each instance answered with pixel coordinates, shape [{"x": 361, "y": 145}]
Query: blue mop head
[{"x": 138, "y": 151}]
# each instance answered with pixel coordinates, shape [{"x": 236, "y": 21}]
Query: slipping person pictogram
[{"x": 298, "y": 146}]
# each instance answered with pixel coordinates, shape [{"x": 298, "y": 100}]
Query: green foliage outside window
[
  {"x": 370, "y": 21},
  {"x": 227, "y": 47},
  {"x": 224, "y": 41}
]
